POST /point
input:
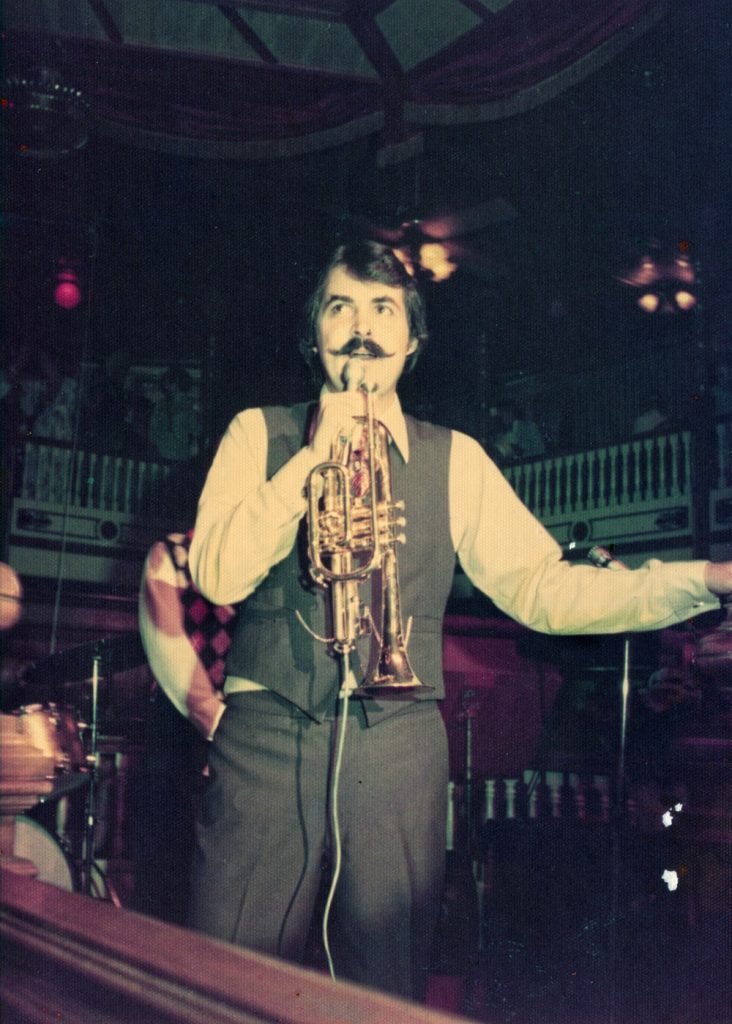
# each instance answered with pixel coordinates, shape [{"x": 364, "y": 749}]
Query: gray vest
[{"x": 272, "y": 646}]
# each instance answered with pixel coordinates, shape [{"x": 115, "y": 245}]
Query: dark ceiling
[{"x": 205, "y": 255}]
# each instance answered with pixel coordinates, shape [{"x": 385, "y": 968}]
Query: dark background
[{"x": 209, "y": 261}]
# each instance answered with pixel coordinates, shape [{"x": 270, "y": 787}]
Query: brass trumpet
[{"x": 352, "y": 534}]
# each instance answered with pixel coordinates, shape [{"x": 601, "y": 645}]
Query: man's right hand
[{"x": 334, "y": 420}]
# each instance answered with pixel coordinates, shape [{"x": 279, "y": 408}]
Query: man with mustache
[{"x": 265, "y": 829}]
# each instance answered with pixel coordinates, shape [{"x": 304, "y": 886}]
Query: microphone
[
  {"x": 604, "y": 559},
  {"x": 353, "y": 381}
]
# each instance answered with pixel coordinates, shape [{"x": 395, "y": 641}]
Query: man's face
[{"x": 363, "y": 324}]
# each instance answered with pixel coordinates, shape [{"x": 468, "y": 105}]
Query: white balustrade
[
  {"x": 106, "y": 483},
  {"x": 626, "y": 476},
  {"x": 615, "y": 476},
  {"x": 78, "y": 480},
  {"x": 724, "y": 453},
  {"x": 624, "y": 484},
  {"x": 648, "y": 449},
  {"x": 91, "y": 481},
  {"x": 538, "y": 796}
]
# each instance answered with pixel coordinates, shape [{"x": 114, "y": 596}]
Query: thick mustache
[{"x": 356, "y": 345}]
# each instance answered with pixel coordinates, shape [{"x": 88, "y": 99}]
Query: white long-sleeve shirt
[{"x": 247, "y": 523}]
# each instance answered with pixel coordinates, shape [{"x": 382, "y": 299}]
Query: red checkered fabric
[{"x": 208, "y": 626}]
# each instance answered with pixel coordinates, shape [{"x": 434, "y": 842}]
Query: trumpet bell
[
  {"x": 392, "y": 673},
  {"x": 393, "y": 677}
]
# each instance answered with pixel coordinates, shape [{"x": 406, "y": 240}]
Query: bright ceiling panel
[
  {"x": 495, "y": 5},
  {"x": 414, "y": 38},
  {"x": 309, "y": 42},
  {"x": 171, "y": 25},
  {"x": 63, "y": 17}
]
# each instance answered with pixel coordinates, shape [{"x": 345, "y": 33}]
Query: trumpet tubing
[{"x": 350, "y": 536}]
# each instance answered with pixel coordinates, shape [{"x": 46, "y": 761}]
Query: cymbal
[{"x": 118, "y": 653}]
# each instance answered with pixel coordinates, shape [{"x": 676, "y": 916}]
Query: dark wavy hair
[{"x": 366, "y": 261}]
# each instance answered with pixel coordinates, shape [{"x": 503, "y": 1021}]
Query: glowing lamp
[
  {"x": 649, "y": 302},
  {"x": 685, "y": 300},
  {"x": 66, "y": 292},
  {"x": 435, "y": 259},
  {"x": 664, "y": 277}
]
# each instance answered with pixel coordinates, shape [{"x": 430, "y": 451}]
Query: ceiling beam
[
  {"x": 331, "y": 10},
  {"x": 248, "y": 34},
  {"x": 374, "y": 44},
  {"x": 107, "y": 22}
]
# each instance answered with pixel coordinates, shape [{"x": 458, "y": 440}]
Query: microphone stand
[
  {"x": 616, "y": 816},
  {"x": 624, "y": 701},
  {"x": 604, "y": 559}
]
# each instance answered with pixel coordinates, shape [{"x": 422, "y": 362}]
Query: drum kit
[{"x": 50, "y": 752}]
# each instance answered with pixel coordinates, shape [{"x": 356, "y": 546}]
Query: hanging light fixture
[
  {"x": 664, "y": 279},
  {"x": 43, "y": 116}
]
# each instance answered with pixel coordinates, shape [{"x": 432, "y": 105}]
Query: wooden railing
[{"x": 67, "y": 957}]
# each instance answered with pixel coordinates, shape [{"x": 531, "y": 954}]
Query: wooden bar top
[{"x": 70, "y": 957}]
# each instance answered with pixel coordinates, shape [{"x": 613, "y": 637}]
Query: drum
[
  {"x": 54, "y": 731},
  {"x": 69, "y": 737},
  {"x": 34, "y": 843}
]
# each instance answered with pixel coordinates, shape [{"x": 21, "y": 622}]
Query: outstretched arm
[{"x": 511, "y": 557}]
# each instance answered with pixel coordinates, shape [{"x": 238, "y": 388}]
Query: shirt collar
[{"x": 393, "y": 419}]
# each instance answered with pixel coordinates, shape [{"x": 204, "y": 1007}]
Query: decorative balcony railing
[
  {"x": 86, "y": 480},
  {"x": 651, "y": 469},
  {"x": 87, "y": 516},
  {"x": 723, "y": 432},
  {"x": 107, "y": 509},
  {"x": 636, "y": 494}
]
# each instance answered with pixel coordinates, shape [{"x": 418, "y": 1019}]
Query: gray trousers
[{"x": 264, "y": 828}]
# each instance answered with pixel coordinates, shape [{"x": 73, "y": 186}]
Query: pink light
[{"x": 67, "y": 293}]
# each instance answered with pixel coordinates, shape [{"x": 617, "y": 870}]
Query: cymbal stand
[
  {"x": 89, "y": 863},
  {"x": 467, "y": 711},
  {"x": 469, "y": 833},
  {"x": 91, "y": 794}
]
